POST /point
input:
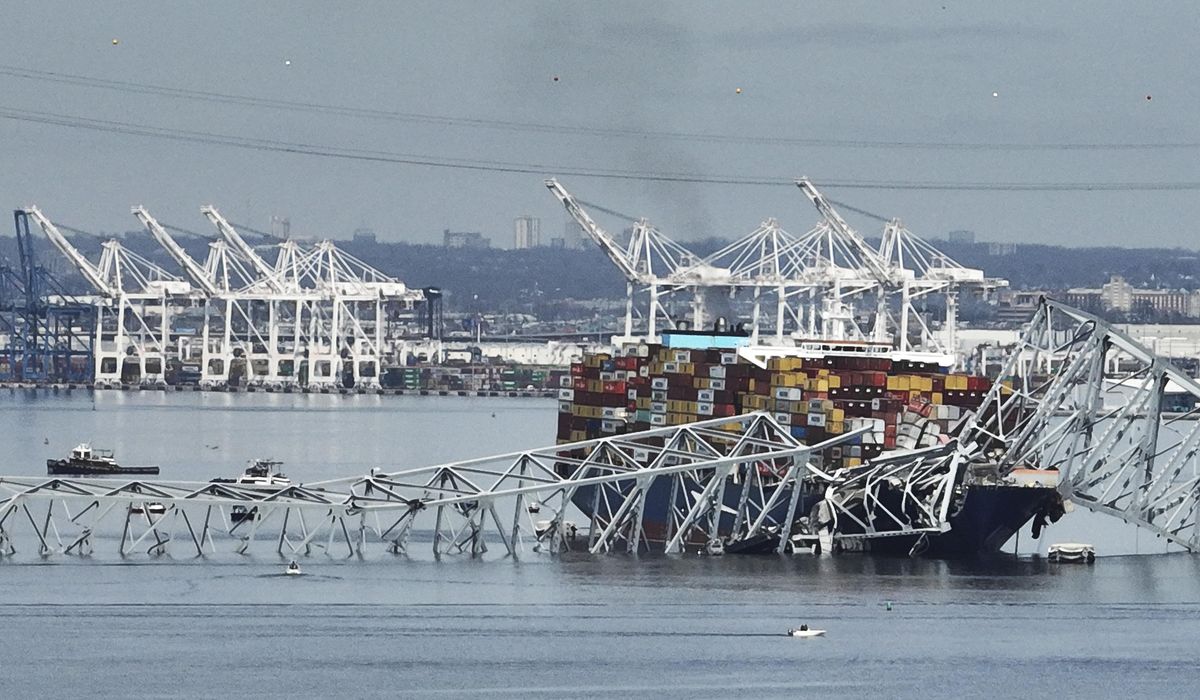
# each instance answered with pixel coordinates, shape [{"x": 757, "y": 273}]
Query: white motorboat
[
  {"x": 261, "y": 473},
  {"x": 1076, "y": 552},
  {"x": 804, "y": 631},
  {"x": 293, "y": 569}
]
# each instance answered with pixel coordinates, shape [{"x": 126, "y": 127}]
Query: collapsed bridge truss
[
  {"x": 1120, "y": 425},
  {"x": 457, "y": 506}
]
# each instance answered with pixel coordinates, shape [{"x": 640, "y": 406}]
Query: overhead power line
[
  {"x": 555, "y": 128},
  {"x": 545, "y": 169}
]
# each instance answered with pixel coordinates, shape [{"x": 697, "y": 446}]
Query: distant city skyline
[{"x": 413, "y": 118}]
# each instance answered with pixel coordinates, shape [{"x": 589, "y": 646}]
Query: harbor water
[{"x": 576, "y": 626}]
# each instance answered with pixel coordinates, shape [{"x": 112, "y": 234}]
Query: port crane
[
  {"x": 653, "y": 265},
  {"x": 134, "y": 304}
]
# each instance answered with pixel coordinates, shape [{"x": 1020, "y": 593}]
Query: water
[{"x": 577, "y": 626}]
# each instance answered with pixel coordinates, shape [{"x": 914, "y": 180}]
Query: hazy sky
[{"x": 817, "y": 75}]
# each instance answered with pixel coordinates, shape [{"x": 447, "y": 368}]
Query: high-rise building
[{"x": 527, "y": 232}]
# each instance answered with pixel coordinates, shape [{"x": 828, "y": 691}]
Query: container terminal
[{"x": 830, "y": 431}]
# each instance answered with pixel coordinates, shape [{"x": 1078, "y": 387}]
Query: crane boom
[
  {"x": 242, "y": 247},
  {"x": 869, "y": 257},
  {"x": 176, "y": 251},
  {"x": 593, "y": 230},
  {"x": 89, "y": 271}
]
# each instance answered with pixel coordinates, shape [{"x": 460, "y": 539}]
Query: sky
[{"x": 845, "y": 93}]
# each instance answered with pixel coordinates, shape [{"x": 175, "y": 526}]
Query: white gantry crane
[
  {"x": 925, "y": 270},
  {"x": 849, "y": 267},
  {"x": 316, "y": 315},
  {"x": 653, "y": 265},
  {"x": 134, "y": 302},
  {"x": 314, "y": 318}
]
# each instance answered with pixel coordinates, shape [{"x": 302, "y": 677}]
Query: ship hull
[
  {"x": 988, "y": 517},
  {"x": 67, "y": 467}
]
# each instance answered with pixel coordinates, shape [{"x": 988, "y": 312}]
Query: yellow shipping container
[
  {"x": 700, "y": 383},
  {"x": 897, "y": 382},
  {"x": 835, "y": 381},
  {"x": 937, "y": 397},
  {"x": 853, "y": 461},
  {"x": 838, "y": 415},
  {"x": 643, "y": 403},
  {"x": 836, "y": 427}
]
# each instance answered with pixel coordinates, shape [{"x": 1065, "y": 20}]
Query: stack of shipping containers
[{"x": 903, "y": 404}]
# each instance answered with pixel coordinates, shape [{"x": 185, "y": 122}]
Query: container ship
[{"x": 818, "y": 389}]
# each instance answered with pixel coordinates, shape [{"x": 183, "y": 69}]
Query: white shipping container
[
  {"x": 716, "y": 372},
  {"x": 816, "y": 420},
  {"x": 704, "y": 409},
  {"x": 659, "y": 383},
  {"x": 704, "y": 395},
  {"x": 566, "y": 394},
  {"x": 564, "y": 406},
  {"x": 566, "y": 381},
  {"x": 658, "y": 419},
  {"x": 784, "y": 418}
]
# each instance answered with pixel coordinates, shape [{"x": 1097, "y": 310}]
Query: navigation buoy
[
  {"x": 287, "y": 62},
  {"x": 738, "y": 91},
  {"x": 995, "y": 94},
  {"x": 116, "y": 41},
  {"x": 1147, "y": 98},
  {"x": 556, "y": 78},
  {"x": 889, "y": 605}
]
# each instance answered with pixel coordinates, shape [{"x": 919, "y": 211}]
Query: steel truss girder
[
  {"x": 462, "y": 499},
  {"x": 1080, "y": 396}
]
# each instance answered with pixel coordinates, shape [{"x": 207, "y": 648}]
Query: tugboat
[
  {"x": 261, "y": 473},
  {"x": 89, "y": 462}
]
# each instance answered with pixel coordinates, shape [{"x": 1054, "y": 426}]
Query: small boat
[
  {"x": 261, "y": 473},
  {"x": 239, "y": 514},
  {"x": 147, "y": 508},
  {"x": 85, "y": 461},
  {"x": 804, "y": 631},
  {"x": 293, "y": 569},
  {"x": 1074, "y": 552}
]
